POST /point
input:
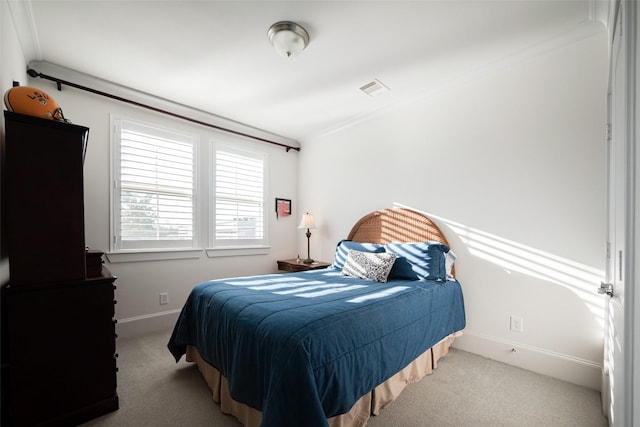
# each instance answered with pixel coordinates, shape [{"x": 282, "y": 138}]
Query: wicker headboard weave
[{"x": 396, "y": 225}]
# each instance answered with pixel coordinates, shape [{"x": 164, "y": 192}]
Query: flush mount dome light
[{"x": 288, "y": 38}]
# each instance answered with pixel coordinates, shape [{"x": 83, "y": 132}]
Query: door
[{"x": 616, "y": 392}]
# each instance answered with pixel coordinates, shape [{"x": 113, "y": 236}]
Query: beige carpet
[{"x": 465, "y": 391}]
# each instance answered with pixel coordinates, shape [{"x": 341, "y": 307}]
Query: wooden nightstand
[{"x": 294, "y": 265}]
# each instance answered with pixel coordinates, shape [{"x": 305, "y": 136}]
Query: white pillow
[
  {"x": 369, "y": 265},
  {"x": 450, "y": 258}
]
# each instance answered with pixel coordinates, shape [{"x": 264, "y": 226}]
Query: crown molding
[
  {"x": 600, "y": 10},
  {"x": 582, "y": 31}
]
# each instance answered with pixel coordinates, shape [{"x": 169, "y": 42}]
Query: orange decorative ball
[{"x": 32, "y": 102}]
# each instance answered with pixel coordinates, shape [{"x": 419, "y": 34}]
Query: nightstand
[{"x": 295, "y": 265}]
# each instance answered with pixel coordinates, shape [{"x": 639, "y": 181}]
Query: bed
[{"x": 331, "y": 346}]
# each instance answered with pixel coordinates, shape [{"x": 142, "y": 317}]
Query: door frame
[
  {"x": 633, "y": 212},
  {"x": 630, "y": 16}
]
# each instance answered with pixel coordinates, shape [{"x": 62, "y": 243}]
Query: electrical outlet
[
  {"x": 164, "y": 298},
  {"x": 515, "y": 323}
]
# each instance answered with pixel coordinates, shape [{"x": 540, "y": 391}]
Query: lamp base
[{"x": 308, "y": 261}]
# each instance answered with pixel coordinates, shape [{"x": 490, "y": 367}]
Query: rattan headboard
[{"x": 396, "y": 225}]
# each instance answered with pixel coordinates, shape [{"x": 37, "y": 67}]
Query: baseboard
[
  {"x": 140, "y": 325},
  {"x": 557, "y": 365}
]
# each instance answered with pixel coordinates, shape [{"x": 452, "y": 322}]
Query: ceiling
[{"x": 215, "y": 55}]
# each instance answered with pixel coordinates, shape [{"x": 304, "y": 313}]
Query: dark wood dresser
[
  {"x": 58, "y": 327},
  {"x": 62, "y": 358}
]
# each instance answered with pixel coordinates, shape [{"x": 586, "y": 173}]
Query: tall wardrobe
[{"x": 58, "y": 327}]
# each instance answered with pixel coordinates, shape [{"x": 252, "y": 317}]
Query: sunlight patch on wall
[{"x": 516, "y": 257}]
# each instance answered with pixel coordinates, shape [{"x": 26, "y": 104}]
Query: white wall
[
  {"x": 140, "y": 283},
  {"x": 12, "y": 66},
  {"x": 511, "y": 164}
]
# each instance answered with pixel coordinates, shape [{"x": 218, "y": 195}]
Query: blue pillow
[
  {"x": 418, "y": 261},
  {"x": 344, "y": 246}
]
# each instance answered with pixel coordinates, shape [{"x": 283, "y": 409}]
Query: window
[
  {"x": 158, "y": 175},
  {"x": 154, "y": 188},
  {"x": 239, "y": 198}
]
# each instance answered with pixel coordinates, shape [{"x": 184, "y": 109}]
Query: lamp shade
[
  {"x": 288, "y": 38},
  {"x": 307, "y": 221}
]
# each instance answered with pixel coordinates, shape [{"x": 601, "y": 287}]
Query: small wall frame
[{"x": 283, "y": 207}]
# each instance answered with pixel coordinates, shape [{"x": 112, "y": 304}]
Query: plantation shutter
[
  {"x": 239, "y": 198},
  {"x": 155, "y": 184}
]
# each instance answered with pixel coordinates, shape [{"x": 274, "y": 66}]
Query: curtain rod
[{"x": 59, "y": 82}]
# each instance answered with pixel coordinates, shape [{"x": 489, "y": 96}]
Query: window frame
[
  {"x": 205, "y": 144},
  {"x": 230, "y": 247},
  {"x": 160, "y": 246}
]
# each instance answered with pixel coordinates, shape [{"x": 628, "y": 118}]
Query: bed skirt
[{"x": 369, "y": 404}]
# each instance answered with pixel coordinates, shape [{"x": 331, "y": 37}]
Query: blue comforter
[{"x": 306, "y": 346}]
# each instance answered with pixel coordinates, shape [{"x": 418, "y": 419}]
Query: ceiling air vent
[{"x": 374, "y": 88}]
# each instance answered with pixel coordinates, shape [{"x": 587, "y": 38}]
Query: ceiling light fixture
[{"x": 288, "y": 38}]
